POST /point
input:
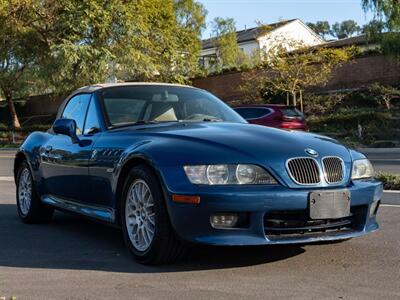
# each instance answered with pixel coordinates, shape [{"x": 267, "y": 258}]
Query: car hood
[
  {"x": 254, "y": 141},
  {"x": 180, "y": 144}
]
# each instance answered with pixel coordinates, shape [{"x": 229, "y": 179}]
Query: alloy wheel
[
  {"x": 25, "y": 191},
  {"x": 140, "y": 215}
]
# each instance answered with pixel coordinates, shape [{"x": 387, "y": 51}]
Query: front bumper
[{"x": 257, "y": 203}]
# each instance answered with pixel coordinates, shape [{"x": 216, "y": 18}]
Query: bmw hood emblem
[{"x": 311, "y": 152}]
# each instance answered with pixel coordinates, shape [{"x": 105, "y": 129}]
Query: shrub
[{"x": 390, "y": 181}]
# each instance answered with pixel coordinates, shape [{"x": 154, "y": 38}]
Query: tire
[
  {"x": 30, "y": 209},
  {"x": 160, "y": 247}
]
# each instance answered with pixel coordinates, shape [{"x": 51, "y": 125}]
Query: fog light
[
  {"x": 373, "y": 209},
  {"x": 224, "y": 220}
]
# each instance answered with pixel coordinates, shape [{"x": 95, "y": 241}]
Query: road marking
[
  {"x": 6, "y": 178},
  {"x": 390, "y": 205},
  {"x": 391, "y": 191}
]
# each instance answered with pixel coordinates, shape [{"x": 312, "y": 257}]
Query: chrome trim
[
  {"x": 97, "y": 212},
  {"x": 299, "y": 183},
  {"x": 324, "y": 170}
]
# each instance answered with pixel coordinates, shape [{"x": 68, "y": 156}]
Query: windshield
[{"x": 155, "y": 103}]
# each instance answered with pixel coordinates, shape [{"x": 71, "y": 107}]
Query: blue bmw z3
[{"x": 173, "y": 164}]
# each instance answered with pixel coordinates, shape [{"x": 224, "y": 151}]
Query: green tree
[
  {"x": 71, "y": 43},
  {"x": 292, "y": 73},
  {"x": 374, "y": 26},
  {"x": 161, "y": 44},
  {"x": 19, "y": 51},
  {"x": 345, "y": 29},
  {"x": 387, "y": 11},
  {"x": 229, "y": 55},
  {"x": 322, "y": 28},
  {"x": 384, "y": 94}
]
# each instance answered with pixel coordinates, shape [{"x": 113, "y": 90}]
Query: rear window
[
  {"x": 253, "y": 112},
  {"x": 292, "y": 112}
]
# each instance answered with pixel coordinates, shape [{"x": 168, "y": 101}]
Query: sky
[{"x": 269, "y": 11}]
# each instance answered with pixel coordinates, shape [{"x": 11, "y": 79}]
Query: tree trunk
[
  {"x": 301, "y": 101},
  {"x": 11, "y": 107},
  {"x": 287, "y": 99},
  {"x": 294, "y": 99}
]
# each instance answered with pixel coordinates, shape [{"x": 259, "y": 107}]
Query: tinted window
[
  {"x": 76, "y": 110},
  {"x": 253, "y": 112},
  {"x": 162, "y": 103},
  {"x": 92, "y": 120},
  {"x": 292, "y": 112}
]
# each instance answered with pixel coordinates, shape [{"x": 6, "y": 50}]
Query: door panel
[{"x": 65, "y": 168}]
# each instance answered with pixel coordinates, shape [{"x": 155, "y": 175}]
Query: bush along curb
[{"x": 390, "y": 181}]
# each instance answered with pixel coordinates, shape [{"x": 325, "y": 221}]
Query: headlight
[
  {"x": 362, "y": 168},
  {"x": 228, "y": 174}
]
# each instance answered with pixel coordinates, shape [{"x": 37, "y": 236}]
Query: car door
[{"x": 65, "y": 163}]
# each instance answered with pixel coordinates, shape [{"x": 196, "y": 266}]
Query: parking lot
[{"x": 72, "y": 258}]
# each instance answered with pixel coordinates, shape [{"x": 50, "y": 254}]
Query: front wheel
[
  {"x": 145, "y": 222},
  {"x": 30, "y": 208}
]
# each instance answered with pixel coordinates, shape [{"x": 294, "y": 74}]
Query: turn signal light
[{"x": 186, "y": 199}]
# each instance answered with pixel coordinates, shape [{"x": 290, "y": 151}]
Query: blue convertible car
[{"x": 172, "y": 164}]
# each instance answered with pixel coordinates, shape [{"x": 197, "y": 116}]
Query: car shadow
[{"x": 71, "y": 242}]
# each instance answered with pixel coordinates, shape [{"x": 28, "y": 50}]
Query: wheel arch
[
  {"x": 128, "y": 165},
  {"x": 19, "y": 158}
]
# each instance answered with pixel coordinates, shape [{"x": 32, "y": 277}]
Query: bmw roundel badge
[{"x": 311, "y": 152}]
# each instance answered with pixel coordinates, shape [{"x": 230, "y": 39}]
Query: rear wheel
[
  {"x": 145, "y": 222},
  {"x": 30, "y": 208}
]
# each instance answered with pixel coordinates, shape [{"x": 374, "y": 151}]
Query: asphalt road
[{"x": 72, "y": 258}]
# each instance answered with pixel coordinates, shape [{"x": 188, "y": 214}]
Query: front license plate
[{"x": 329, "y": 204}]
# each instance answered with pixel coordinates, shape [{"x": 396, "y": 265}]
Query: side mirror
[{"x": 66, "y": 127}]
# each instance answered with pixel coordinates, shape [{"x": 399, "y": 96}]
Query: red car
[{"x": 273, "y": 115}]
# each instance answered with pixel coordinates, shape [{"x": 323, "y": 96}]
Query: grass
[{"x": 390, "y": 181}]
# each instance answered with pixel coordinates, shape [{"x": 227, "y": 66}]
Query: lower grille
[{"x": 284, "y": 224}]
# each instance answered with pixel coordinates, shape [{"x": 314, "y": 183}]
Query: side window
[
  {"x": 92, "y": 119},
  {"x": 76, "y": 110}
]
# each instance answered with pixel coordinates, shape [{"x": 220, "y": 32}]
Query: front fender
[{"x": 30, "y": 151}]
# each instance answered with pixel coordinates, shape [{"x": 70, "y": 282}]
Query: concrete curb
[
  {"x": 8, "y": 149},
  {"x": 379, "y": 150}
]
